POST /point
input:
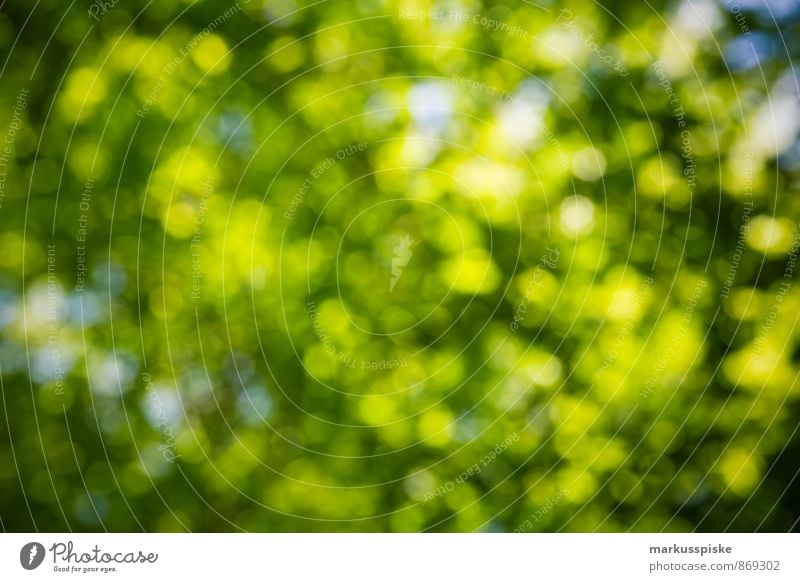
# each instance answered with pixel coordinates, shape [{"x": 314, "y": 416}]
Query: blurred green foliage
[{"x": 589, "y": 218}]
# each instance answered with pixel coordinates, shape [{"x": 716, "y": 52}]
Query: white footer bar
[{"x": 401, "y": 557}]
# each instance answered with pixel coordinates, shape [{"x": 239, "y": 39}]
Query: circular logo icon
[{"x": 31, "y": 555}]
